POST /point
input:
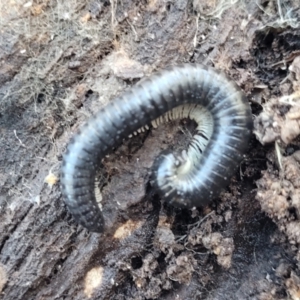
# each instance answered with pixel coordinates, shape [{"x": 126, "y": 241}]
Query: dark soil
[{"x": 63, "y": 60}]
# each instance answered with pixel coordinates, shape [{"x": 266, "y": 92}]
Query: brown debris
[
  {"x": 124, "y": 67},
  {"x": 3, "y": 277},
  {"x": 182, "y": 270},
  {"x": 293, "y": 286},
  {"x": 280, "y": 119}
]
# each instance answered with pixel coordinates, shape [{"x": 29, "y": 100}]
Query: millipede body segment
[{"x": 190, "y": 178}]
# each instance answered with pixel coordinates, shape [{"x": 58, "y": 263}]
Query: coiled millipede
[{"x": 191, "y": 178}]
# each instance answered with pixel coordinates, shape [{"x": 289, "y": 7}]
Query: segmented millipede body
[{"x": 191, "y": 178}]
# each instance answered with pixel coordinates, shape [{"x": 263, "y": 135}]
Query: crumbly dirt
[{"x": 63, "y": 60}]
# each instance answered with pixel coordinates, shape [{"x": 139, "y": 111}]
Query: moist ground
[{"x": 63, "y": 60}]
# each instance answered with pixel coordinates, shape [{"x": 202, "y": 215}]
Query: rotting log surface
[{"x": 75, "y": 60}]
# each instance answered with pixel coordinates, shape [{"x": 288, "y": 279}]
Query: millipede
[{"x": 193, "y": 177}]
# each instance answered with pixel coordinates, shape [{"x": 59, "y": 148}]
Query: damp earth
[{"x": 61, "y": 61}]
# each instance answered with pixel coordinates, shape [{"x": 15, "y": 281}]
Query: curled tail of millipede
[{"x": 192, "y": 178}]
